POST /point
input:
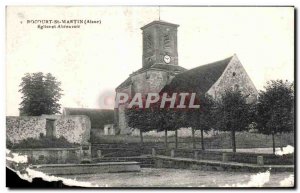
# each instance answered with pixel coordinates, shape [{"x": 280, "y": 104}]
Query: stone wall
[
  {"x": 238, "y": 157},
  {"x": 76, "y": 129},
  {"x": 51, "y": 155},
  {"x": 91, "y": 168},
  {"x": 207, "y": 165},
  {"x": 234, "y": 77}
]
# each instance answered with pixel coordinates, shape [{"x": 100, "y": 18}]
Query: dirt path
[{"x": 150, "y": 177}]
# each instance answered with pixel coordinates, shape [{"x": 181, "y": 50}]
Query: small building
[{"x": 100, "y": 119}]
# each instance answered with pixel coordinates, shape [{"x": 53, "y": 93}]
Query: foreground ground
[{"x": 152, "y": 177}]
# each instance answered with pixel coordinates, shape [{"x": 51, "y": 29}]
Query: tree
[
  {"x": 233, "y": 114},
  {"x": 41, "y": 94},
  {"x": 134, "y": 120},
  {"x": 139, "y": 118},
  {"x": 275, "y": 109},
  {"x": 201, "y": 119},
  {"x": 169, "y": 119}
]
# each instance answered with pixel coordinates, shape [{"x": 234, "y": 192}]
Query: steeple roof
[{"x": 159, "y": 22}]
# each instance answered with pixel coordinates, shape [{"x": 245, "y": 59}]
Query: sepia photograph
[{"x": 150, "y": 96}]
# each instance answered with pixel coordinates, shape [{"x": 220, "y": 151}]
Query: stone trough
[{"x": 73, "y": 169}]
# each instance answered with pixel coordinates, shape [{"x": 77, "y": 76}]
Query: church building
[{"x": 160, "y": 71}]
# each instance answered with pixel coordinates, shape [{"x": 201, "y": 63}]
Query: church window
[
  {"x": 147, "y": 75},
  {"x": 167, "y": 41}
]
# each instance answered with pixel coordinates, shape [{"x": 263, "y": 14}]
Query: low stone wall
[
  {"x": 76, "y": 129},
  {"x": 51, "y": 155},
  {"x": 115, "y": 150},
  {"x": 73, "y": 169},
  {"x": 183, "y": 132},
  {"x": 186, "y": 163},
  {"x": 250, "y": 158},
  {"x": 145, "y": 161}
]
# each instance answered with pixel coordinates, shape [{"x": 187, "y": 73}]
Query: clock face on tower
[{"x": 167, "y": 59}]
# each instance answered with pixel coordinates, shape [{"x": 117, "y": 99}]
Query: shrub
[{"x": 44, "y": 142}]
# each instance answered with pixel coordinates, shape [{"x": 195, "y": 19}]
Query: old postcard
[{"x": 150, "y": 96}]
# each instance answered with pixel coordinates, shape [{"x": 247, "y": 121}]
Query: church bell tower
[{"x": 159, "y": 44}]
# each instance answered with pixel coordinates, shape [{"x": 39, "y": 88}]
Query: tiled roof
[
  {"x": 199, "y": 79},
  {"x": 125, "y": 84},
  {"x": 171, "y": 68},
  {"x": 166, "y": 67}
]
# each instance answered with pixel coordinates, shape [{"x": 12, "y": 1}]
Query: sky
[{"x": 93, "y": 60}]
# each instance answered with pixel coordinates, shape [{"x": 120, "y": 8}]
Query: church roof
[
  {"x": 199, "y": 79},
  {"x": 170, "y": 68},
  {"x": 125, "y": 84},
  {"x": 98, "y": 117}
]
